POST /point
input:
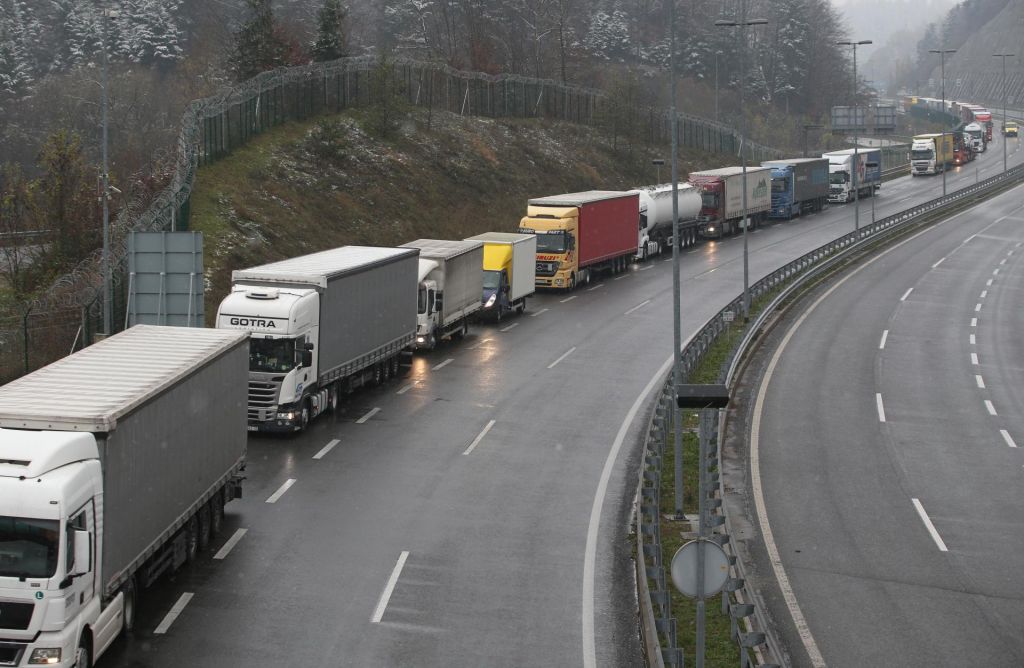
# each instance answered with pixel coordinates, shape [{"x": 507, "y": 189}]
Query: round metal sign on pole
[{"x": 684, "y": 568}]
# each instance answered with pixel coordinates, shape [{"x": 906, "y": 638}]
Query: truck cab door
[{"x": 80, "y": 589}]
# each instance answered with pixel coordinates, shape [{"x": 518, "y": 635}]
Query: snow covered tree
[
  {"x": 257, "y": 47},
  {"x": 330, "y": 38},
  {"x": 15, "y": 68},
  {"x": 609, "y": 36}
]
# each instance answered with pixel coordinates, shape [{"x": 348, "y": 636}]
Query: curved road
[
  {"x": 888, "y": 458},
  {"x": 475, "y": 513}
]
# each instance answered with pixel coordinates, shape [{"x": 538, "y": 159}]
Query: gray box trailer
[
  {"x": 798, "y": 185},
  {"x": 450, "y": 280},
  {"x": 167, "y": 408}
]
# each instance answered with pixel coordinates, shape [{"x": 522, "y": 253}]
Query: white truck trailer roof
[
  {"x": 729, "y": 171},
  {"x": 579, "y": 199},
  {"x": 93, "y": 388},
  {"x": 318, "y": 268},
  {"x": 442, "y": 248}
]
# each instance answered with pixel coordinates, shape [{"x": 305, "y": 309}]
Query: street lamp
[
  {"x": 742, "y": 24},
  {"x": 942, "y": 61},
  {"x": 1004, "y": 56},
  {"x": 856, "y": 139}
]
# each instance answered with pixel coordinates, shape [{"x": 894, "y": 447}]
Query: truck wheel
[
  {"x": 572, "y": 282},
  {"x": 387, "y": 363},
  {"x": 204, "y": 526},
  {"x": 396, "y": 365},
  {"x": 217, "y": 509},
  {"x": 128, "y": 611},
  {"x": 304, "y": 416},
  {"x": 332, "y": 397},
  {"x": 378, "y": 374},
  {"x": 191, "y": 539},
  {"x": 83, "y": 655}
]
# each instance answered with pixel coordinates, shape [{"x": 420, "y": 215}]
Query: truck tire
[
  {"x": 572, "y": 282},
  {"x": 396, "y": 367},
  {"x": 217, "y": 508},
  {"x": 83, "y": 655},
  {"x": 332, "y": 397},
  {"x": 131, "y": 595},
  {"x": 304, "y": 415},
  {"x": 205, "y": 529},
  {"x": 191, "y": 539}
]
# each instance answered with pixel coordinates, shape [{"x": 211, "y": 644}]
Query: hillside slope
[{"x": 327, "y": 183}]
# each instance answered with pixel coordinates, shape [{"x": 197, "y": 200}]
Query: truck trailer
[
  {"x": 840, "y": 173},
  {"x": 722, "y": 204},
  {"x": 799, "y": 185},
  {"x": 579, "y": 234},
  {"x": 932, "y": 153},
  {"x": 656, "y": 218},
  {"x": 450, "y": 279},
  {"x": 321, "y": 325},
  {"x": 115, "y": 465},
  {"x": 509, "y": 271}
]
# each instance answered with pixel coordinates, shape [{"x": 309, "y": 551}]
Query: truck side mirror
[
  {"x": 83, "y": 553},
  {"x": 572, "y": 242},
  {"x": 308, "y": 346},
  {"x": 306, "y": 359}
]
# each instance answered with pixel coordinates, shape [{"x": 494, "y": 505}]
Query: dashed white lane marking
[
  {"x": 228, "y": 546},
  {"x": 1002, "y": 262},
  {"x": 990, "y": 408},
  {"x": 974, "y": 340},
  {"x": 977, "y": 307},
  {"x": 479, "y": 437},
  {"x": 619, "y": 278},
  {"x": 543, "y": 310},
  {"x": 327, "y": 448},
  {"x": 984, "y": 293},
  {"x": 638, "y": 306},
  {"x": 974, "y": 322},
  {"x": 385, "y": 595},
  {"x": 568, "y": 352},
  {"x": 373, "y": 411},
  {"x": 567, "y": 299},
  {"x": 1008, "y": 253},
  {"x": 928, "y": 525},
  {"x": 881, "y": 344},
  {"x": 599, "y": 285},
  {"x": 509, "y": 328},
  {"x": 650, "y": 266},
  {"x": 176, "y": 610},
  {"x": 974, "y": 359},
  {"x": 935, "y": 266},
  {"x": 1008, "y": 438},
  {"x": 443, "y": 364},
  {"x": 881, "y": 408},
  {"x": 906, "y": 294},
  {"x": 273, "y": 498},
  {"x": 480, "y": 343},
  {"x": 989, "y": 282},
  {"x": 995, "y": 272},
  {"x": 668, "y": 260},
  {"x": 980, "y": 381},
  {"x": 408, "y": 386}
]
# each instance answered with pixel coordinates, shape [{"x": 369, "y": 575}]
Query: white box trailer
[
  {"x": 115, "y": 465},
  {"x": 510, "y": 271},
  {"x": 722, "y": 202},
  {"x": 451, "y": 276}
]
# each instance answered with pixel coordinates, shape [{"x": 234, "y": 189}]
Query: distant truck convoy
[
  {"x": 799, "y": 185},
  {"x": 978, "y": 138},
  {"x": 656, "y": 218},
  {"x": 721, "y": 192},
  {"x": 115, "y": 465},
  {"x": 509, "y": 271},
  {"x": 321, "y": 324},
  {"x": 840, "y": 173},
  {"x": 579, "y": 234},
  {"x": 448, "y": 294},
  {"x": 931, "y": 153}
]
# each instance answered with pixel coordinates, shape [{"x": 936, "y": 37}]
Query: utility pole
[
  {"x": 677, "y": 334},
  {"x": 942, "y": 62},
  {"x": 856, "y": 139},
  {"x": 105, "y": 189},
  {"x": 1004, "y": 56}
]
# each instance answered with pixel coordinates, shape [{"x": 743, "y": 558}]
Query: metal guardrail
[{"x": 742, "y": 603}]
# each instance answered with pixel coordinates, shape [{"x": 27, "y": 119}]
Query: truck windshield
[
  {"x": 709, "y": 200},
  {"x": 552, "y": 242},
  {"x": 421, "y": 301},
  {"x": 28, "y": 547},
  {"x": 272, "y": 355},
  {"x": 780, "y": 185},
  {"x": 922, "y": 154},
  {"x": 838, "y": 178},
  {"x": 492, "y": 280}
]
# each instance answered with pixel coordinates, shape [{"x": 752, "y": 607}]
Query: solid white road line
[
  {"x": 568, "y": 352},
  {"x": 980, "y": 381},
  {"x": 223, "y": 551},
  {"x": 906, "y": 294},
  {"x": 974, "y": 322},
  {"x": 934, "y": 266},
  {"x": 408, "y": 386},
  {"x": 543, "y": 310},
  {"x": 638, "y": 306},
  {"x": 973, "y": 340},
  {"x": 990, "y": 408},
  {"x": 881, "y": 408},
  {"x": 385, "y": 595},
  {"x": 567, "y": 299},
  {"x": 479, "y": 437},
  {"x": 176, "y": 610},
  {"x": 974, "y": 359},
  {"x": 438, "y": 367},
  {"x": 881, "y": 344},
  {"x": 599, "y": 285},
  {"x": 968, "y": 239},
  {"x": 373, "y": 411},
  {"x": 478, "y": 344},
  {"x": 281, "y": 490},
  {"x": 1008, "y": 438},
  {"x": 509, "y": 328},
  {"x": 928, "y": 525},
  {"x": 327, "y": 448}
]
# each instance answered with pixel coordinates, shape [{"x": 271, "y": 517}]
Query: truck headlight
[
  {"x": 490, "y": 300},
  {"x": 420, "y": 339},
  {"x": 44, "y": 656},
  {"x": 286, "y": 416}
]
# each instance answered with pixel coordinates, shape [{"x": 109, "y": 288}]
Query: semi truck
[
  {"x": 931, "y": 153},
  {"x": 509, "y": 271},
  {"x": 656, "y": 218},
  {"x": 721, "y": 190},
  {"x": 799, "y": 185},
  {"x": 322, "y": 325},
  {"x": 579, "y": 234},
  {"x": 976, "y": 133},
  {"x": 840, "y": 173},
  {"x": 963, "y": 151},
  {"x": 115, "y": 465},
  {"x": 448, "y": 294}
]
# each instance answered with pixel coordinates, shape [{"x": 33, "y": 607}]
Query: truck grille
[
  {"x": 15, "y": 616},
  {"x": 547, "y": 268},
  {"x": 263, "y": 398},
  {"x": 10, "y": 653}
]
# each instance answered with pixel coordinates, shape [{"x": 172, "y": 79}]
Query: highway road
[
  {"x": 890, "y": 418},
  {"x": 476, "y": 512}
]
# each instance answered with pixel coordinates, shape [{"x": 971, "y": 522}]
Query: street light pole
[
  {"x": 677, "y": 334},
  {"x": 856, "y": 139},
  {"x": 942, "y": 62},
  {"x": 105, "y": 193},
  {"x": 1004, "y": 56}
]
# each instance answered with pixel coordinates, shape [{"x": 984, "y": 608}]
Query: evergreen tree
[
  {"x": 257, "y": 47},
  {"x": 330, "y": 39},
  {"x": 15, "y": 69},
  {"x": 66, "y": 191}
]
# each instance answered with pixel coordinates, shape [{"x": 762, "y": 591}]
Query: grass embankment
[{"x": 310, "y": 186}]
